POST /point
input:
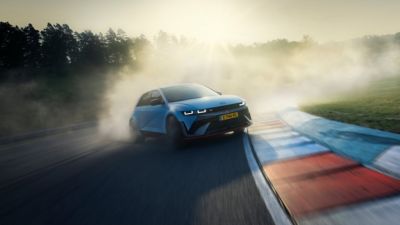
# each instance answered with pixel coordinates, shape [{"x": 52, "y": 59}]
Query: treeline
[{"x": 57, "y": 46}]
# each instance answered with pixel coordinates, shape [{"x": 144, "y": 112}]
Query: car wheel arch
[
  {"x": 168, "y": 115},
  {"x": 181, "y": 124}
]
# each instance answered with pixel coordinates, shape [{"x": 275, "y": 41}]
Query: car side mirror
[{"x": 156, "y": 101}]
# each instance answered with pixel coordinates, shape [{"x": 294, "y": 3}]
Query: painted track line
[{"x": 278, "y": 215}]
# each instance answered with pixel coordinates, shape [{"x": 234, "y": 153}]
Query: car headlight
[
  {"x": 201, "y": 111},
  {"x": 188, "y": 113},
  {"x": 194, "y": 112},
  {"x": 242, "y": 103}
]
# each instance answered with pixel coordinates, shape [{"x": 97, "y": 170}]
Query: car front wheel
[
  {"x": 240, "y": 131},
  {"x": 174, "y": 131}
]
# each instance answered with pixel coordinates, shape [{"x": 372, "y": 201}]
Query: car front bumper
[{"x": 210, "y": 124}]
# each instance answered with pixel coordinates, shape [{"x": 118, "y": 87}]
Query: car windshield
[{"x": 185, "y": 92}]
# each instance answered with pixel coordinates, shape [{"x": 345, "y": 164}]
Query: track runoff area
[{"x": 303, "y": 182}]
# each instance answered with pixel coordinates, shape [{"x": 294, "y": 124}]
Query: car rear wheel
[
  {"x": 136, "y": 134},
  {"x": 174, "y": 132}
]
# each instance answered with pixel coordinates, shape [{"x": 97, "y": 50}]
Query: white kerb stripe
[
  {"x": 389, "y": 161},
  {"x": 277, "y": 213}
]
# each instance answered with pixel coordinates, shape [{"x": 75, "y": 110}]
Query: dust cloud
[{"x": 269, "y": 76}]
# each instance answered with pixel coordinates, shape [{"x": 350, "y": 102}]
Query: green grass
[{"x": 377, "y": 106}]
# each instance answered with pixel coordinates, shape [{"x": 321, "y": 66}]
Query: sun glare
[
  {"x": 213, "y": 23},
  {"x": 216, "y": 31}
]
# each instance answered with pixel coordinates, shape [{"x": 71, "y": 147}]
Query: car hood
[{"x": 206, "y": 102}]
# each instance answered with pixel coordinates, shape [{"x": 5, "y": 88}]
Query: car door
[
  {"x": 141, "y": 112},
  {"x": 157, "y": 111}
]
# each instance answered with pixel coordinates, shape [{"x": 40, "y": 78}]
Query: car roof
[{"x": 182, "y": 84}]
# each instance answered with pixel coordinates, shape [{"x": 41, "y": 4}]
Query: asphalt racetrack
[{"x": 80, "y": 178}]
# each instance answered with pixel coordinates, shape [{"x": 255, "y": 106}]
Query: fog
[{"x": 269, "y": 76}]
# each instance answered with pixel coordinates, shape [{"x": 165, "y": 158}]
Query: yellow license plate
[{"x": 229, "y": 116}]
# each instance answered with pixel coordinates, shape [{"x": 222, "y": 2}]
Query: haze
[{"x": 244, "y": 21}]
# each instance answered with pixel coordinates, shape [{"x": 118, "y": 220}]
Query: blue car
[{"x": 188, "y": 111}]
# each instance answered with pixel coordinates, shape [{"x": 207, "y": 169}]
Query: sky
[{"x": 233, "y": 21}]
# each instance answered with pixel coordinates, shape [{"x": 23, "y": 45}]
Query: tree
[
  {"x": 32, "y": 48},
  {"x": 118, "y": 48},
  {"x": 375, "y": 45},
  {"x": 140, "y": 47},
  {"x": 92, "y": 49},
  {"x": 59, "y": 46},
  {"x": 12, "y": 42},
  {"x": 307, "y": 41},
  {"x": 164, "y": 40}
]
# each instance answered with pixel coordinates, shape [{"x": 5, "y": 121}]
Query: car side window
[
  {"x": 145, "y": 99},
  {"x": 156, "y": 96}
]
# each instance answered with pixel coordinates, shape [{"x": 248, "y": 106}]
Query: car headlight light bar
[
  {"x": 188, "y": 113},
  {"x": 201, "y": 111},
  {"x": 194, "y": 112}
]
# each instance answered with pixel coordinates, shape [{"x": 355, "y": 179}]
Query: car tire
[
  {"x": 136, "y": 134},
  {"x": 174, "y": 132},
  {"x": 240, "y": 131}
]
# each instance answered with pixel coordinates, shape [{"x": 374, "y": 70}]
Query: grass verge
[{"x": 376, "y": 106}]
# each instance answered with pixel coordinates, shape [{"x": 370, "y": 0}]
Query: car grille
[{"x": 223, "y": 108}]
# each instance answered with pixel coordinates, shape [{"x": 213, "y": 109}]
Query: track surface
[{"x": 80, "y": 178}]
